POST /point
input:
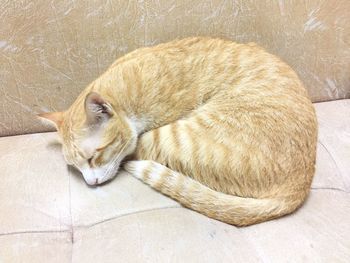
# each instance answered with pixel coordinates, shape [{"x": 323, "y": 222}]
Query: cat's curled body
[{"x": 226, "y": 129}]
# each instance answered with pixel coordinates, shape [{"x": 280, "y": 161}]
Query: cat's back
[
  {"x": 235, "y": 74},
  {"x": 210, "y": 60},
  {"x": 191, "y": 46}
]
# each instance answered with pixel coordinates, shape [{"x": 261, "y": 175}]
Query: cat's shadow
[{"x": 54, "y": 146}]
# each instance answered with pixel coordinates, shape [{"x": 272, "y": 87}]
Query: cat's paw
[
  {"x": 137, "y": 168},
  {"x": 147, "y": 171}
]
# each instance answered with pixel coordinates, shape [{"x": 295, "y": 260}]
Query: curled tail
[{"x": 235, "y": 210}]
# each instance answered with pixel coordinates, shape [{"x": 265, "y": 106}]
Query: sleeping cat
[{"x": 226, "y": 129}]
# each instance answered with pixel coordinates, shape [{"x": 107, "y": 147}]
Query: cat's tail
[{"x": 239, "y": 211}]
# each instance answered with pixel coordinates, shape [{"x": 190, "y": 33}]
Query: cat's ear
[
  {"x": 54, "y": 119},
  {"x": 97, "y": 109}
]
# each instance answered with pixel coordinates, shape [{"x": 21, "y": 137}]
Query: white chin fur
[{"x": 99, "y": 175}]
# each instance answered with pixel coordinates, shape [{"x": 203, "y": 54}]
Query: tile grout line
[
  {"x": 127, "y": 214},
  {"x": 87, "y": 226},
  {"x": 330, "y": 189},
  {"x": 33, "y": 232},
  {"x": 331, "y": 156},
  {"x": 70, "y": 213},
  {"x": 171, "y": 207},
  {"x": 117, "y": 217}
]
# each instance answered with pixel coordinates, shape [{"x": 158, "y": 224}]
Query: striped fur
[
  {"x": 240, "y": 211},
  {"x": 226, "y": 129}
]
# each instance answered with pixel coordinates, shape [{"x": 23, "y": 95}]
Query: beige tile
[
  {"x": 34, "y": 189},
  {"x": 318, "y": 232},
  {"x": 166, "y": 235},
  {"x": 123, "y": 195},
  {"x": 36, "y": 248},
  {"x": 327, "y": 173},
  {"x": 127, "y": 221},
  {"x": 333, "y": 115},
  {"x": 334, "y": 137}
]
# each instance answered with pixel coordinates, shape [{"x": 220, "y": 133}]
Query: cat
[{"x": 226, "y": 129}]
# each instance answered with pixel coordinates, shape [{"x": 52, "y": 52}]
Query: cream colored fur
[{"x": 226, "y": 129}]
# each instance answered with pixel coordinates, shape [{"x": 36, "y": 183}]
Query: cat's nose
[{"x": 92, "y": 181}]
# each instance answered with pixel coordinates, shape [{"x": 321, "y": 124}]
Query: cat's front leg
[{"x": 165, "y": 145}]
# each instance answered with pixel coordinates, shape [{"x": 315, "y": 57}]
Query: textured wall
[{"x": 50, "y": 50}]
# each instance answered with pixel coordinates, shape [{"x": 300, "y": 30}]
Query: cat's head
[{"x": 95, "y": 137}]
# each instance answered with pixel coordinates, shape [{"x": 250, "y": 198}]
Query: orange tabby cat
[{"x": 226, "y": 129}]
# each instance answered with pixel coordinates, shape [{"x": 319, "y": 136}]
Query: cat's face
[{"x": 94, "y": 140}]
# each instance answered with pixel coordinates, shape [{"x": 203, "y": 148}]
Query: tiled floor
[{"x": 48, "y": 213}]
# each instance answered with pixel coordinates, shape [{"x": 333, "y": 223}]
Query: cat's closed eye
[{"x": 90, "y": 161}]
